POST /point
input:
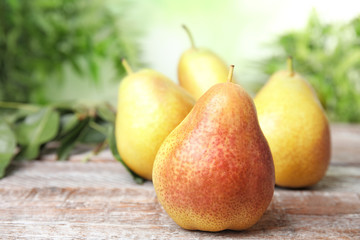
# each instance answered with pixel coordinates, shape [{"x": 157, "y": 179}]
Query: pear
[
  {"x": 149, "y": 107},
  {"x": 296, "y": 127},
  {"x": 215, "y": 171},
  {"x": 199, "y": 69}
]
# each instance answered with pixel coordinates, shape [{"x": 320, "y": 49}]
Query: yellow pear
[
  {"x": 199, "y": 69},
  {"x": 215, "y": 171},
  {"x": 296, "y": 127},
  {"x": 149, "y": 107}
]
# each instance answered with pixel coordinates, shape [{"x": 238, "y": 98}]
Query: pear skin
[
  {"x": 150, "y": 106},
  {"x": 296, "y": 127},
  {"x": 199, "y": 69},
  {"x": 215, "y": 170}
]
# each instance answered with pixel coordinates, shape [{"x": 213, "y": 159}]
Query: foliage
[
  {"x": 39, "y": 38},
  {"x": 32, "y": 127},
  {"x": 328, "y": 55},
  {"x": 39, "y": 41},
  {"x": 7, "y": 146}
]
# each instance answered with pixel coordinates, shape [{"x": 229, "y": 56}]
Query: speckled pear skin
[
  {"x": 215, "y": 171},
  {"x": 297, "y": 129},
  {"x": 150, "y": 106}
]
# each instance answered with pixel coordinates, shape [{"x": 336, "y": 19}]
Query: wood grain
[{"x": 99, "y": 200}]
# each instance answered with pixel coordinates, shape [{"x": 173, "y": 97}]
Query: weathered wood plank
[
  {"x": 112, "y": 175},
  {"x": 99, "y": 200},
  {"x": 135, "y": 214}
]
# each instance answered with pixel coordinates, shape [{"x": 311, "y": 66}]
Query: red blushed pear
[{"x": 215, "y": 170}]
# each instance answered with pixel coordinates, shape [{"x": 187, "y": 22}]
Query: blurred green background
[{"x": 70, "y": 50}]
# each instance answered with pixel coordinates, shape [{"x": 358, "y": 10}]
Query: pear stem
[
  {"x": 127, "y": 67},
  {"x": 189, "y": 35},
  {"x": 290, "y": 65},
  {"x": 231, "y": 72}
]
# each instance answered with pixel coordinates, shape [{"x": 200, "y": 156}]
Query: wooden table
[{"x": 99, "y": 200}]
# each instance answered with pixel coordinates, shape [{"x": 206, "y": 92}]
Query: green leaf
[
  {"x": 39, "y": 127},
  {"x": 69, "y": 141},
  {"x": 67, "y": 122},
  {"x": 114, "y": 151},
  {"x": 95, "y": 132},
  {"x": 28, "y": 152},
  {"x": 35, "y": 130},
  {"x": 91, "y": 135},
  {"x": 17, "y": 115},
  {"x": 7, "y": 146},
  {"x": 106, "y": 112}
]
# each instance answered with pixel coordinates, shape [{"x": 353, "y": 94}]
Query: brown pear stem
[
  {"x": 127, "y": 66},
  {"x": 231, "y": 72},
  {"x": 290, "y": 65},
  {"x": 189, "y": 35}
]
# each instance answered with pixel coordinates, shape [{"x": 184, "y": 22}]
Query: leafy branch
[
  {"x": 26, "y": 129},
  {"x": 40, "y": 42}
]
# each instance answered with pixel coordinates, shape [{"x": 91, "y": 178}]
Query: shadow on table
[
  {"x": 13, "y": 167},
  {"x": 334, "y": 180},
  {"x": 273, "y": 220}
]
